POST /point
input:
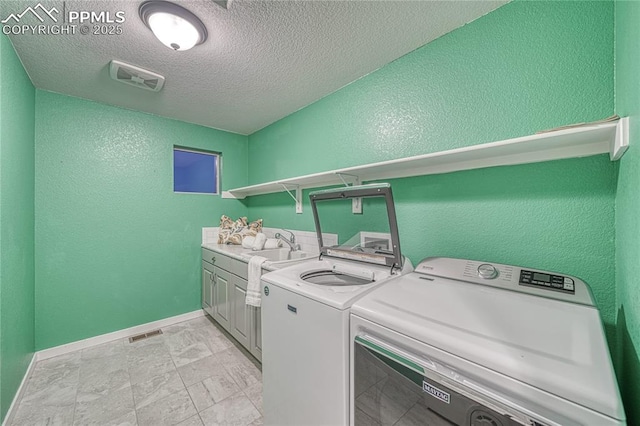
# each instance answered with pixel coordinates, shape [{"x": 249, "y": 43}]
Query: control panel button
[{"x": 487, "y": 271}]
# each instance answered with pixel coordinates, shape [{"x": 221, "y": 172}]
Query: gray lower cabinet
[
  {"x": 207, "y": 288},
  {"x": 241, "y": 321},
  {"x": 224, "y": 288},
  {"x": 255, "y": 345},
  {"x": 221, "y": 301}
]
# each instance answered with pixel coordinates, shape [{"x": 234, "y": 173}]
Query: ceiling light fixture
[{"x": 176, "y": 27}]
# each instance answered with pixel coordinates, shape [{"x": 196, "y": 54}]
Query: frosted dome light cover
[
  {"x": 173, "y": 31},
  {"x": 173, "y": 25}
]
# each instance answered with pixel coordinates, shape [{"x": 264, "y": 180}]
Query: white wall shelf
[{"x": 583, "y": 141}]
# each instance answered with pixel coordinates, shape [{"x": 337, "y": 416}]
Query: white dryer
[
  {"x": 471, "y": 343},
  {"x": 305, "y": 307}
]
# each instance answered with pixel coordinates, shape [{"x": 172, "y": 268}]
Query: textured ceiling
[{"x": 262, "y": 61}]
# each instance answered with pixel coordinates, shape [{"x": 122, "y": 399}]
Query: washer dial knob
[{"x": 487, "y": 271}]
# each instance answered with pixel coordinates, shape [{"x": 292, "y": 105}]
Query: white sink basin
[{"x": 280, "y": 255}]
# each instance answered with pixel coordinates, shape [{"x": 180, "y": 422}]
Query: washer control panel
[
  {"x": 551, "y": 285},
  {"x": 548, "y": 281}
]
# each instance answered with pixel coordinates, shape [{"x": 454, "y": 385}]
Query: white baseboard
[
  {"x": 120, "y": 334},
  {"x": 18, "y": 396}
]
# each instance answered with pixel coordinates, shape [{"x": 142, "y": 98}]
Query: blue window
[{"x": 195, "y": 171}]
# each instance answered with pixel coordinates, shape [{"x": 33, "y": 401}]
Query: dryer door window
[{"x": 389, "y": 389}]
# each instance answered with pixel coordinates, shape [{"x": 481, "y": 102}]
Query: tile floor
[{"x": 192, "y": 374}]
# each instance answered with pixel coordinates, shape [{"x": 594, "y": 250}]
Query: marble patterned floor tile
[
  {"x": 244, "y": 373},
  {"x": 114, "y": 405},
  {"x": 50, "y": 406},
  {"x": 105, "y": 350},
  {"x": 178, "y": 341},
  {"x": 216, "y": 343},
  {"x": 148, "y": 361},
  {"x": 236, "y": 410},
  {"x": 232, "y": 355},
  {"x": 128, "y": 419},
  {"x": 186, "y": 346},
  {"x": 151, "y": 369},
  {"x": 213, "y": 389},
  {"x": 240, "y": 367},
  {"x": 173, "y": 329},
  {"x": 139, "y": 352},
  {"x": 50, "y": 416},
  {"x": 61, "y": 370},
  {"x": 100, "y": 384},
  {"x": 203, "y": 321},
  {"x": 192, "y": 421},
  {"x": 207, "y": 332},
  {"x": 199, "y": 370},
  {"x": 100, "y": 376},
  {"x": 190, "y": 354},
  {"x": 254, "y": 393},
  {"x": 56, "y": 394},
  {"x": 257, "y": 422},
  {"x": 41, "y": 381},
  {"x": 62, "y": 361},
  {"x": 158, "y": 387},
  {"x": 106, "y": 363},
  {"x": 200, "y": 322},
  {"x": 170, "y": 410}
]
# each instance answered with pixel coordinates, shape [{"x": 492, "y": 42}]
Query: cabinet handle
[{"x": 213, "y": 259}]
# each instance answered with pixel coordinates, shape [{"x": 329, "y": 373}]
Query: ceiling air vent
[{"x": 135, "y": 76}]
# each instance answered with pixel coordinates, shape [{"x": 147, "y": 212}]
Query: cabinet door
[
  {"x": 207, "y": 291},
  {"x": 240, "y": 312},
  {"x": 256, "y": 333},
  {"x": 221, "y": 306}
]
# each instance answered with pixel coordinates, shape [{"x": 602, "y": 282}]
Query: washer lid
[
  {"x": 556, "y": 346},
  {"x": 369, "y": 236}
]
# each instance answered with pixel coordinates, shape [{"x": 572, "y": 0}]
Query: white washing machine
[
  {"x": 305, "y": 308},
  {"x": 471, "y": 343}
]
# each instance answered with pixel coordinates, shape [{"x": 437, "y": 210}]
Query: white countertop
[{"x": 243, "y": 254}]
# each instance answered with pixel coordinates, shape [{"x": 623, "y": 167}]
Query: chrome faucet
[{"x": 291, "y": 241}]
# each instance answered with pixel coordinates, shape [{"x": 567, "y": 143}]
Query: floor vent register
[{"x": 144, "y": 335}]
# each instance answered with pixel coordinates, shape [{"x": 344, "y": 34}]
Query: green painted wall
[
  {"x": 115, "y": 246},
  {"x": 628, "y": 205},
  {"x": 524, "y": 67},
  {"x": 17, "y": 113}
]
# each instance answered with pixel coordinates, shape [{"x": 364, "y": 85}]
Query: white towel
[
  {"x": 272, "y": 243},
  {"x": 253, "y": 281},
  {"x": 258, "y": 243},
  {"x": 247, "y": 242}
]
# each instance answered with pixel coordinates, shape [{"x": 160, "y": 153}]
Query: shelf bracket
[
  {"x": 620, "y": 142},
  {"x": 297, "y": 198},
  {"x": 356, "y": 203}
]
